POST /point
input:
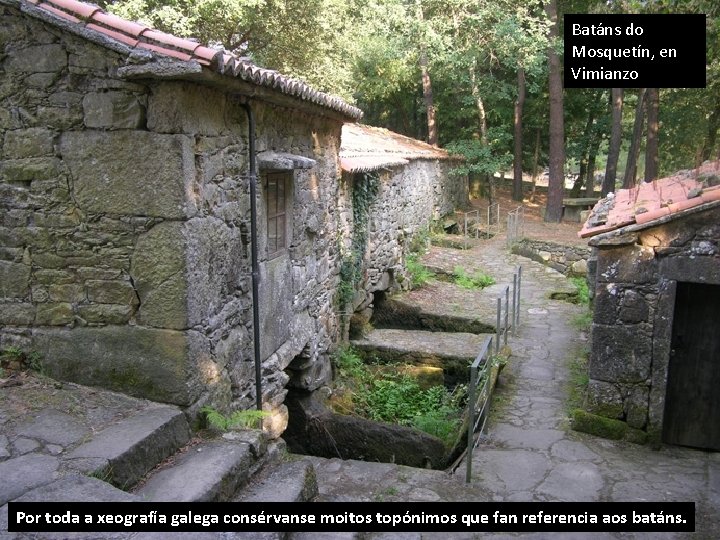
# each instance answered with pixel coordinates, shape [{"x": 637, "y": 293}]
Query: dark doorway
[{"x": 692, "y": 398}]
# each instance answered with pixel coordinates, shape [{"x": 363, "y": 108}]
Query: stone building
[
  {"x": 394, "y": 187},
  {"x": 126, "y": 215},
  {"x": 126, "y": 218},
  {"x": 655, "y": 358}
]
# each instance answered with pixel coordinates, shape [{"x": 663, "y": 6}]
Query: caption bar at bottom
[{"x": 352, "y": 517}]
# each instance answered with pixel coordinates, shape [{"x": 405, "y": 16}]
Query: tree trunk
[
  {"x": 634, "y": 152},
  {"x": 592, "y": 155},
  {"x": 556, "y": 186},
  {"x": 653, "y": 126},
  {"x": 517, "y": 194},
  {"x": 616, "y": 102},
  {"x": 536, "y": 158},
  {"x": 482, "y": 117},
  {"x": 426, "y": 83},
  {"x": 589, "y": 137},
  {"x": 580, "y": 178}
]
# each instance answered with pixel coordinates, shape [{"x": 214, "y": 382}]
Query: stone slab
[
  {"x": 206, "y": 472},
  {"x": 423, "y": 344},
  {"x": 54, "y": 427},
  {"x": 118, "y": 172},
  {"x": 144, "y": 362},
  {"x": 440, "y": 307},
  {"x": 20, "y": 475},
  {"x": 78, "y": 488},
  {"x": 135, "y": 445},
  {"x": 293, "y": 481}
]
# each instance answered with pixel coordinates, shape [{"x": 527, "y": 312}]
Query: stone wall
[
  {"x": 569, "y": 260},
  {"x": 635, "y": 279},
  {"x": 124, "y": 230},
  {"x": 406, "y": 200}
]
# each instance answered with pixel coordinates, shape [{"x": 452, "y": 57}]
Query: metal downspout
[{"x": 254, "y": 252}]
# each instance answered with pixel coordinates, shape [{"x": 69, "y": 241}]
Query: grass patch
[
  {"x": 419, "y": 273},
  {"x": 583, "y": 321},
  {"x": 396, "y": 398},
  {"x": 243, "y": 419},
  {"x": 578, "y": 380},
  {"x": 583, "y": 292},
  {"x": 476, "y": 280}
]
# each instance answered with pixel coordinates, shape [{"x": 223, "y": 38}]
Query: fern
[
  {"x": 215, "y": 418},
  {"x": 244, "y": 419}
]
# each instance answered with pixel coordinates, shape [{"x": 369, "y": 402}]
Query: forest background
[{"x": 482, "y": 78}]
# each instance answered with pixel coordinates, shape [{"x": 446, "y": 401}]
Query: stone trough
[
  {"x": 439, "y": 307},
  {"x": 452, "y": 352}
]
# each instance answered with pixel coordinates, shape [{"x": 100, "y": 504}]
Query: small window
[{"x": 276, "y": 199}]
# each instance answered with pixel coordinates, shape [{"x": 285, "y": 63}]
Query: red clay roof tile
[
  {"x": 366, "y": 148},
  {"x": 168, "y": 39},
  {"x": 206, "y": 53},
  {"x": 80, "y": 9},
  {"x": 652, "y": 200},
  {"x": 114, "y": 22},
  {"x": 127, "y": 40},
  {"x": 60, "y": 13},
  {"x": 165, "y": 50}
]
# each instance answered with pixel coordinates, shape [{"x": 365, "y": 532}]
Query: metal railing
[
  {"x": 479, "y": 397},
  {"x": 465, "y": 227},
  {"x": 494, "y": 225},
  {"x": 515, "y": 225},
  {"x": 508, "y": 314},
  {"x": 482, "y": 370},
  {"x": 488, "y": 223}
]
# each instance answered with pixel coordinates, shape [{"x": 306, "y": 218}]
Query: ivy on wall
[{"x": 364, "y": 192}]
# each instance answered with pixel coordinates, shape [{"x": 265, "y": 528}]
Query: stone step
[
  {"x": 393, "y": 536},
  {"x": 440, "y": 306},
  {"x": 325, "y": 536},
  {"x": 293, "y": 481},
  {"x": 453, "y": 352},
  {"x": 124, "y": 452},
  {"x": 208, "y": 471}
]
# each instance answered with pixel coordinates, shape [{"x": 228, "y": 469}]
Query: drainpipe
[{"x": 244, "y": 103}]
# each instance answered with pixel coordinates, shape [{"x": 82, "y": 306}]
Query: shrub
[{"x": 396, "y": 398}]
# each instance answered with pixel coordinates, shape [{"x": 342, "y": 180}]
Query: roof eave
[
  {"x": 167, "y": 69},
  {"x": 599, "y": 239},
  {"x": 143, "y": 63}
]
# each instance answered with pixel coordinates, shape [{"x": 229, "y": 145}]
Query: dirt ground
[{"x": 562, "y": 233}]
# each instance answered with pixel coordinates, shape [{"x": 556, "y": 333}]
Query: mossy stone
[{"x": 598, "y": 425}]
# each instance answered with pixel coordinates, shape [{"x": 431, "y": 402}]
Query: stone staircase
[{"x": 153, "y": 456}]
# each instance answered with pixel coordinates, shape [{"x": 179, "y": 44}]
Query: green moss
[
  {"x": 598, "y": 425},
  {"x": 637, "y": 436},
  {"x": 132, "y": 380}
]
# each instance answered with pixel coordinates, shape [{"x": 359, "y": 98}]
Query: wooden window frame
[{"x": 277, "y": 187}]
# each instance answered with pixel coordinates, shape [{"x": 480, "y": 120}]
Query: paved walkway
[{"x": 529, "y": 452}]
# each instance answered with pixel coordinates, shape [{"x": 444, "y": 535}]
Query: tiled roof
[
  {"x": 89, "y": 17},
  {"x": 654, "y": 200},
  {"x": 366, "y": 148}
]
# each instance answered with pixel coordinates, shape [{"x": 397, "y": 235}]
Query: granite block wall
[{"x": 635, "y": 278}]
